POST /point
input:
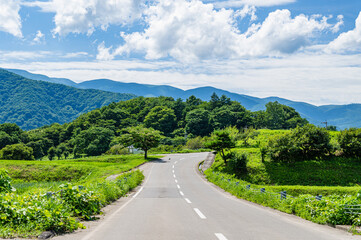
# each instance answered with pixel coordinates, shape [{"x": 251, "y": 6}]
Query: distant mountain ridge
[
  {"x": 342, "y": 116},
  {"x": 32, "y": 104}
]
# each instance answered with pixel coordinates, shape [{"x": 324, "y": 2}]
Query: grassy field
[
  {"x": 78, "y": 189},
  {"x": 337, "y": 179}
]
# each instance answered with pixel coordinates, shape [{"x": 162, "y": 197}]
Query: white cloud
[
  {"x": 280, "y": 33},
  {"x": 338, "y": 25},
  {"x": 23, "y": 55},
  {"x": 103, "y": 53},
  {"x": 247, "y": 11},
  {"x": 83, "y": 16},
  {"x": 39, "y": 38},
  {"x": 76, "y": 55},
  {"x": 10, "y": 20},
  {"x": 191, "y": 30},
  {"x": 256, "y": 3},
  {"x": 349, "y": 41}
]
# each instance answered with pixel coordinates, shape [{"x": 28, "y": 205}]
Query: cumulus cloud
[
  {"x": 349, "y": 41},
  {"x": 256, "y": 3},
  {"x": 247, "y": 11},
  {"x": 10, "y": 20},
  {"x": 191, "y": 30},
  {"x": 103, "y": 53},
  {"x": 280, "y": 33},
  {"x": 83, "y": 16},
  {"x": 39, "y": 38}
]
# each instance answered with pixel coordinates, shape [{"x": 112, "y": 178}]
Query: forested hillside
[{"x": 31, "y": 104}]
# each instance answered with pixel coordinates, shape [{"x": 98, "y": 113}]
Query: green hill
[{"x": 31, "y": 104}]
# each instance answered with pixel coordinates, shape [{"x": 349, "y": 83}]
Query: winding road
[{"x": 175, "y": 202}]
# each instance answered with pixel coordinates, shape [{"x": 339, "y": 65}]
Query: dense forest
[
  {"x": 175, "y": 121},
  {"x": 32, "y": 104}
]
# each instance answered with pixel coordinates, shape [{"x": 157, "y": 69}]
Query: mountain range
[
  {"x": 32, "y": 104},
  {"x": 342, "y": 116}
]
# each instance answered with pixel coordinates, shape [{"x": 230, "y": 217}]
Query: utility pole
[{"x": 325, "y": 123}]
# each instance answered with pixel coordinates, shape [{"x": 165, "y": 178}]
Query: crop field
[
  {"x": 337, "y": 179},
  {"x": 52, "y": 195}
]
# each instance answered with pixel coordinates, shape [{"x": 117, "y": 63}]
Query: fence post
[
  {"x": 318, "y": 197},
  {"x": 263, "y": 190},
  {"x": 248, "y": 187},
  {"x": 283, "y": 195}
]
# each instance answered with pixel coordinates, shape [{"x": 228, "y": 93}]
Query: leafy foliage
[
  {"x": 5, "y": 182},
  {"x": 17, "y": 152},
  {"x": 141, "y": 137},
  {"x": 221, "y": 141},
  {"x": 350, "y": 142},
  {"x": 302, "y": 143}
]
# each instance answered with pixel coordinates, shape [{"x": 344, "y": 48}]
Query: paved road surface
[{"x": 176, "y": 203}]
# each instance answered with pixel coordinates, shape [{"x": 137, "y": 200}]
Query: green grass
[
  {"x": 38, "y": 212},
  {"x": 326, "y": 177},
  {"x": 42, "y": 175}
]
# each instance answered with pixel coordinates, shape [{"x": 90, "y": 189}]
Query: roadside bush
[
  {"x": 17, "y": 152},
  {"x": 237, "y": 163},
  {"x": 302, "y": 143},
  {"x": 81, "y": 202},
  {"x": 195, "y": 143},
  {"x": 350, "y": 142},
  {"x": 5, "y": 182},
  {"x": 329, "y": 210},
  {"x": 118, "y": 150}
]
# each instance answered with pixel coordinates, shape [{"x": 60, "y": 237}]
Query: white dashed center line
[
  {"x": 174, "y": 175},
  {"x": 178, "y": 186},
  {"x": 200, "y": 214},
  {"x": 176, "y": 181},
  {"x": 187, "y": 200},
  {"x": 220, "y": 236},
  {"x": 181, "y": 193}
]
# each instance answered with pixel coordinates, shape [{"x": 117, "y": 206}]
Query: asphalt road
[{"x": 176, "y": 203}]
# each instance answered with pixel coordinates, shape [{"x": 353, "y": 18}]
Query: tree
[
  {"x": 197, "y": 122},
  {"x": 221, "y": 141},
  {"x": 51, "y": 153},
  {"x": 142, "y": 138},
  {"x": 161, "y": 118},
  {"x": 5, "y": 139},
  {"x": 248, "y": 133},
  {"x": 302, "y": 143},
  {"x": 17, "y": 152},
  {"x": 280, "y": 116},
  {"x": 350, "y": 142},
  {"x": 93, "y": 141},
  {"x": 37, "y": 147}
]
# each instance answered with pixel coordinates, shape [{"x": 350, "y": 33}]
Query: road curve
[{"x": 175, "y": 202}]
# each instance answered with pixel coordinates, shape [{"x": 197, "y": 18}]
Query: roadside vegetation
[
  {"x": 307, "y": 171},
  {"x": 37, "y": 196}
]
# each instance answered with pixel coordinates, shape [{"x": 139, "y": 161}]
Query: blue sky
[{"x": 297, "y": 49}]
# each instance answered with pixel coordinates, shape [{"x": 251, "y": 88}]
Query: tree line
[{"x": 172, "y": 122}]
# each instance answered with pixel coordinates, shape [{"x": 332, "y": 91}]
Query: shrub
[
  {"x": 5, "y": 182},
  {"x": 195, "y": 143},
  {"x": 302, "y": 143},
  {"x": 17, "y": 152},
  {"x": 350, "y": 142},
  {"x": 81, "y": 202},
  {"x": 237, "y": 162}
]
